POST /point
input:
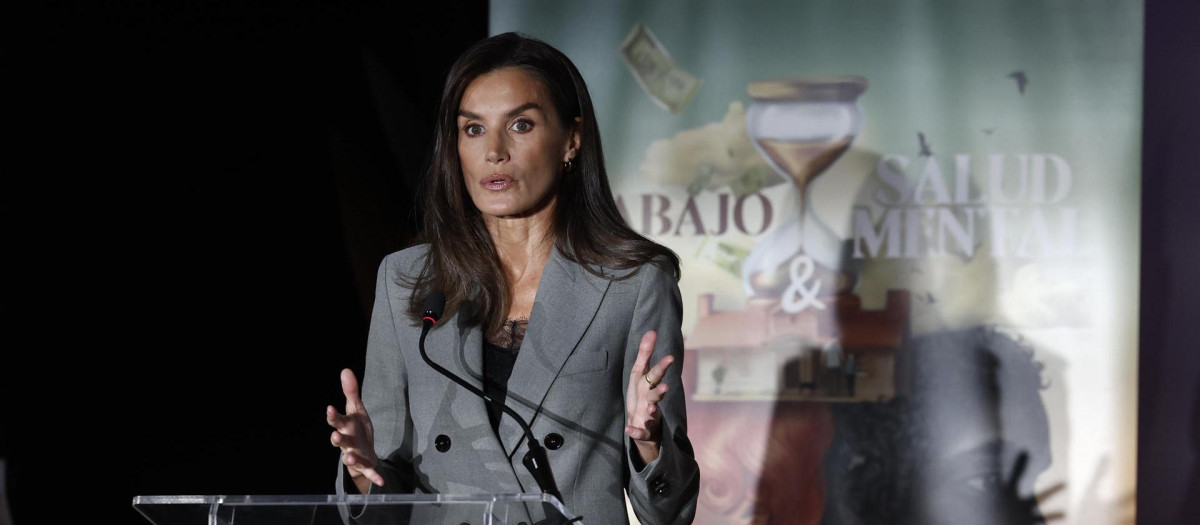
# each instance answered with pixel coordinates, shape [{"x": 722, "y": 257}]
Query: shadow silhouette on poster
[{"x": 962, "y": 443}]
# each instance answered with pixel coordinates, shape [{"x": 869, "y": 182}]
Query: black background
[
  {"x": 197, "y": 194},
  {"x": 202, "y": 195}
]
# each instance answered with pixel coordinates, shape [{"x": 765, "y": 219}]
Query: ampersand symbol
[{"x": 799, "y": 295}]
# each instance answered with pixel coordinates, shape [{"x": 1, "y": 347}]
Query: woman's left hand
[{"x": 641, "y": 400}]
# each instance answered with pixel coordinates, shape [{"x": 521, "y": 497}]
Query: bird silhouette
[
  {"x": 1021, "y": 79},
  {"x": 989, "y": 131},
  {"x": 925, "y": 151}
]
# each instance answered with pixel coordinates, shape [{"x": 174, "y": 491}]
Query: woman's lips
[{"x": 496, "y": 181}]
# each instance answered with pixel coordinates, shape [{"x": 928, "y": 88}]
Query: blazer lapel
[
  {"x": 568, "y": 297},
  {"x": 468, "y": 354}
]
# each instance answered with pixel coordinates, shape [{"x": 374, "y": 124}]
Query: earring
[{"x": 568, "y": 165}]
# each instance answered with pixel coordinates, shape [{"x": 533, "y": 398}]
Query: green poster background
[{"x": 1050, "y": 89}]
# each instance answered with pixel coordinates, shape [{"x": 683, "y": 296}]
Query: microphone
[
  {"x": 535, "y": 460},
  {"x": 435, "y": 304}
]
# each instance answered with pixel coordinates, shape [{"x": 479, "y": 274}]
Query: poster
[{"x": 909, "y": 234}]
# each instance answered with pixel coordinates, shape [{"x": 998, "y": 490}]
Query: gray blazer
[{"x": 569, "y": 379}]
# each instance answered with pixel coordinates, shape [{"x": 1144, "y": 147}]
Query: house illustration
[{"x": 841, "y": 353}]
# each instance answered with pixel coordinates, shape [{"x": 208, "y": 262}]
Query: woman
[{"x": 554, "y": 305}]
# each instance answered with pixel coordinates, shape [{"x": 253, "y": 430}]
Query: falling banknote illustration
[{"x": 667, "y": 84}]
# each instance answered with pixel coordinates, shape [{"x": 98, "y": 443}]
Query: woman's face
[{"x": 511, "y": 144}]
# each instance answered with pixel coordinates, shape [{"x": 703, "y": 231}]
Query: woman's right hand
[{"x": 354, "y": 435}]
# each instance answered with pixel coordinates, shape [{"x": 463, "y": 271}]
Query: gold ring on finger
[{"x": 652, "y": 382}]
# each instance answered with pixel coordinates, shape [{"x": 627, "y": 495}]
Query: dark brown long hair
[{"x": 462, "y": 262}]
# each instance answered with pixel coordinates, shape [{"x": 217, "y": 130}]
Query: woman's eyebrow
[{"x": 511, "y": 113}]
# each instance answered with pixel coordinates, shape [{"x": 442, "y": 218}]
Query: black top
[{"x": 499, "y": 355}]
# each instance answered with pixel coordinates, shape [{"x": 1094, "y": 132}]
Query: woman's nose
[{"x": 497, "y": 148}]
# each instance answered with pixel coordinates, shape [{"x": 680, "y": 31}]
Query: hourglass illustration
[{"x": 801, "y": 126}]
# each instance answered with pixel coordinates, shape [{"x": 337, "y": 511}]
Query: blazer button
[
  {"x": 442, "y": 443},
  {"x": 659, "y": 487},
  {"x": 554, "y": 441}
]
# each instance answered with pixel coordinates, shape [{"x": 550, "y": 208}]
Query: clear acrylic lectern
[{"x": 369, "y": 509}]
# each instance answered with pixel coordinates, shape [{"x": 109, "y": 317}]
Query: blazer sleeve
[
  {"x": 665, "y": 490},
  {"x": 385, "y": 395}
]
